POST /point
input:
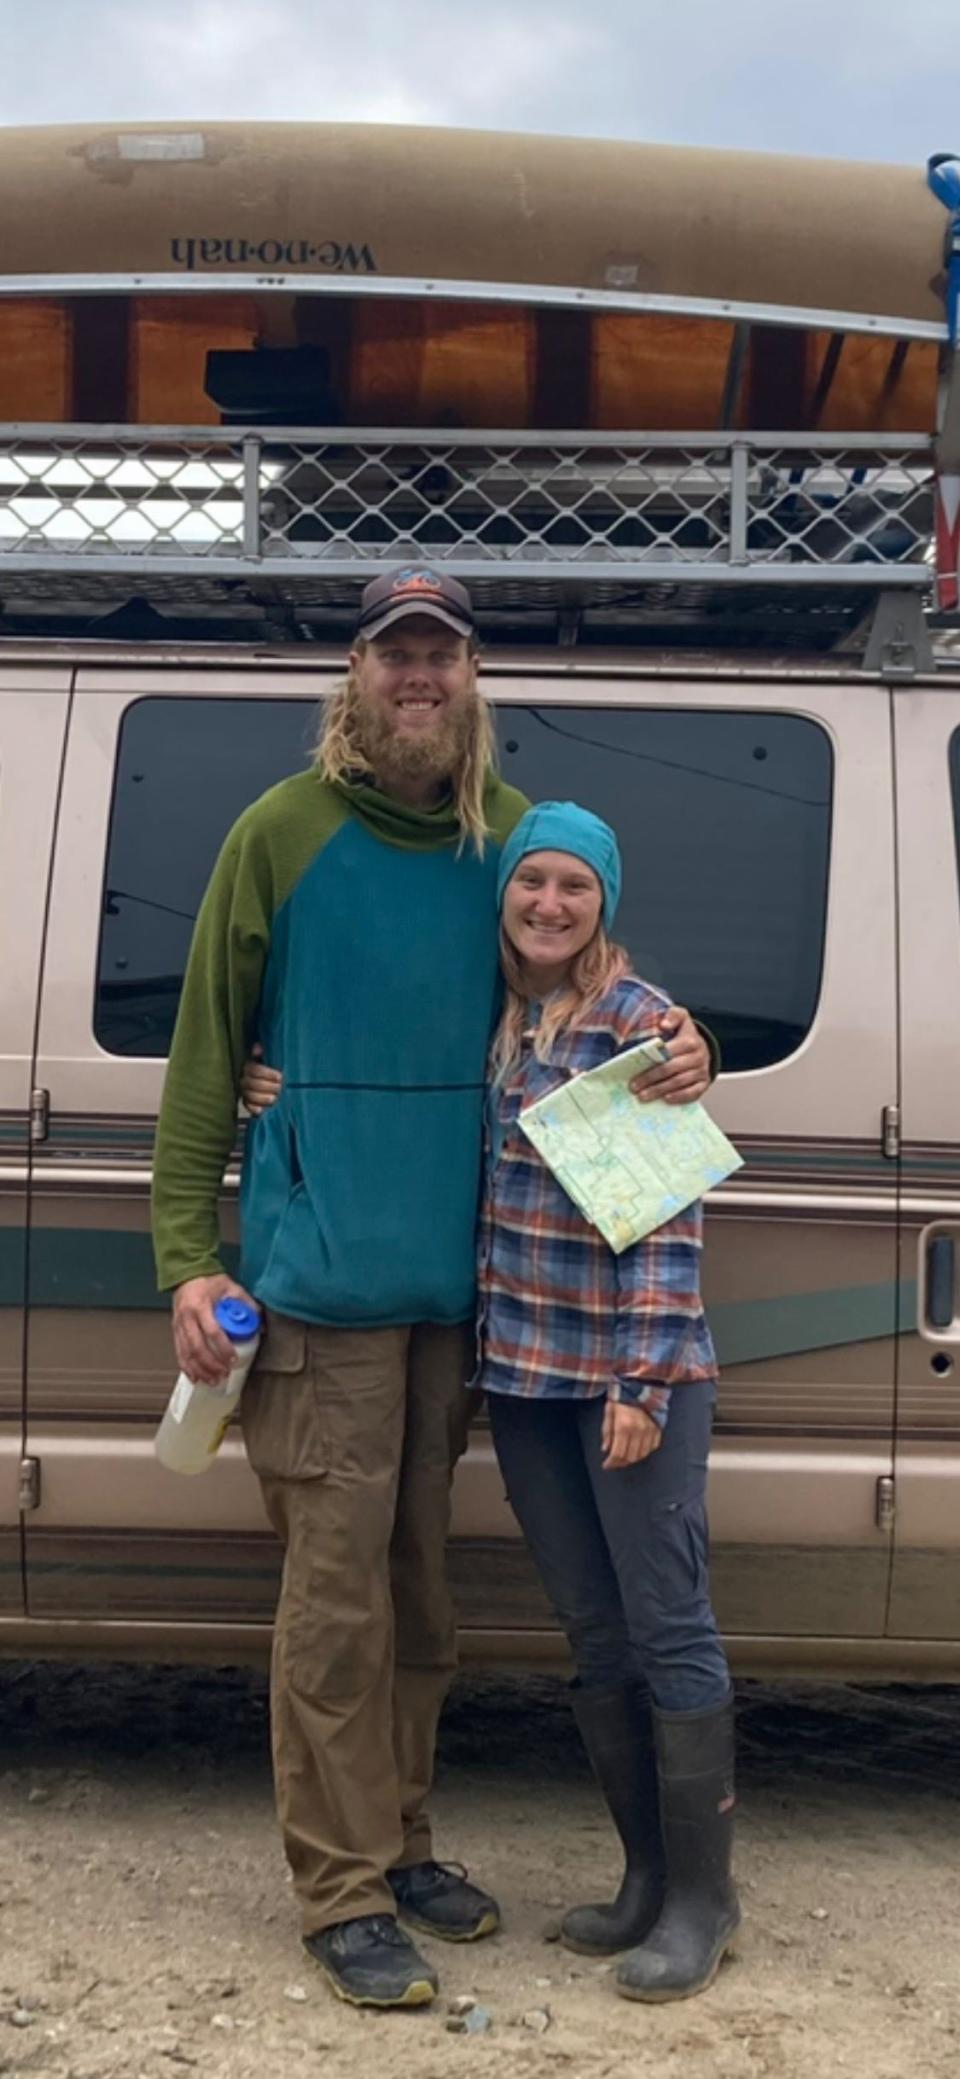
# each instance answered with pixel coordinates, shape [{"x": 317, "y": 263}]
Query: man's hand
[
  {"x": 687, "y": 1074},
  {"x": 259, "y": 1086},
  {"x": 628, "y": 1435},
  {"x": 203, "y": 1351}
]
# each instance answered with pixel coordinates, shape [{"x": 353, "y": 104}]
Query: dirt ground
[{"x": 147, "y": 1928}]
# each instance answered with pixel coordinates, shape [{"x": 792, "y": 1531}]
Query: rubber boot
[
  {"x": 700, "y": 1913},
  {"x": 616, "y": 1731}
]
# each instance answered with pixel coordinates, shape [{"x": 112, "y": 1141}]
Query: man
[{"x": 350, "y": 928}]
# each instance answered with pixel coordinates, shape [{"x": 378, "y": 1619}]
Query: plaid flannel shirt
[{"x": 560, "y": 1314}]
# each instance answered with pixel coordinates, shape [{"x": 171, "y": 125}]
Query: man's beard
[{"x": 437, "y": 754}]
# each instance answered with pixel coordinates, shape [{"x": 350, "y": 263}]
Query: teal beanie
[{"x": 561, "y": 826}]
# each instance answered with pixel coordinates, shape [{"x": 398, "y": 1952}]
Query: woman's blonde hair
[
  {"x": 339, "y": 753},
  {"x": 595, "y": 969}
]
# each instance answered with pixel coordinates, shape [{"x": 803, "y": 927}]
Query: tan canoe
[
  {"x": 472, "y": 206},
  {"x": 264, "y": 213}
]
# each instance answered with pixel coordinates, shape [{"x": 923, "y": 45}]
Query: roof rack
[{"x": 588, "y": 528}]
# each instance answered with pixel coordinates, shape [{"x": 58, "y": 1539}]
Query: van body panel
[
  {"x": 11, "y": 1452},
  {"x": 925, "y": 1589},
  {"x": 33, "y": 713},
  {"x": 801, "y": 1255}
]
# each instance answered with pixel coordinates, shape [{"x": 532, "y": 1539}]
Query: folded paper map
[{"x": 628, "y": 1166}]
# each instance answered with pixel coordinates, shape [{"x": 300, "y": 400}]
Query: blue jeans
[{"x": 622, "y": 1555}]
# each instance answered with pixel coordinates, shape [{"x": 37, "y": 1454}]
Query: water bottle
[{"x": 197, "y": 1416}]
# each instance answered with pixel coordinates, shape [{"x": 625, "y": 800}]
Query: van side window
[
  {"x": 185, "y": 771},
  {"x": 724, "y": 820}
]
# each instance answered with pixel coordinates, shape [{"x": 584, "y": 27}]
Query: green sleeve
[
  {"x": 215, "y": 1023},
  {"x": 263, "y": 856}
]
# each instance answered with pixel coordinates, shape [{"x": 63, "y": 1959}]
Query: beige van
[
  {"x": 791, "y": 866},
  {"x": 719, "y": 638}
]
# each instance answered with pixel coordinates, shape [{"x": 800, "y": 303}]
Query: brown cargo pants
[{"x": 354, "y": 1434}]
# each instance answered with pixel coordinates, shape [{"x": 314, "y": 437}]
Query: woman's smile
[{"x": 551, "y": 909}]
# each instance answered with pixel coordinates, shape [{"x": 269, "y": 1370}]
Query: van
[
  {"x": 720, "y": 639},
  {"x": 791, "y": 871}
]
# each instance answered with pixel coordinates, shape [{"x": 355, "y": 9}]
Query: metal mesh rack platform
[{"x": 652, "y": 527}]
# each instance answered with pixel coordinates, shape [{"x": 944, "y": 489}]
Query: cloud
[
  {"x": 297, "y": 59},
  {"x": 854, "y": 78}
]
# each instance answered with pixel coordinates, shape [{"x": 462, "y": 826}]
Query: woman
[{"x": 600, "y": 1375}]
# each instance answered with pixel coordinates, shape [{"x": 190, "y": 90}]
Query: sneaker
[
  {"x": 372, "y": 1963},
  {"x": 437, "y": 1898}
]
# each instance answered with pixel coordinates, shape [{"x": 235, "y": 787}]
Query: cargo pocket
[
  {"x": 680, "y": 1550},
  {"x": 280, "y": 1411}
]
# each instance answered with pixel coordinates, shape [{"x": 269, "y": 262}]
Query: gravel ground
[{"x": 147, "y": 1928}]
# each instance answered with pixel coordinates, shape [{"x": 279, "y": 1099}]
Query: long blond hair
[
  {"x": 338, "y": 752},
  {"x": 595, "y": 969}
]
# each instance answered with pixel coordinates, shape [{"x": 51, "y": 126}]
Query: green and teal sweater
[{"x": 357, "y": 940}]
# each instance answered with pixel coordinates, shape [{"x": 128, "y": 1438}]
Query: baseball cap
[{"x": 399, "y": 594}]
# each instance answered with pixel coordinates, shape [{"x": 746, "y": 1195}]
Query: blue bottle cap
[{"x": 237, "y": 1320}]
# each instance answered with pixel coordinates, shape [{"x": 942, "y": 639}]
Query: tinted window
[
  {"x": 723, "y": 817},
  {"x": 724, "y": 824},
  {"x": 185, "y": 770}
]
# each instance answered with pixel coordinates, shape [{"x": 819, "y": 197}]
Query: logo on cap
[
  {"x": 417, "y": 581},
  {"x": 386, "y": 599}
]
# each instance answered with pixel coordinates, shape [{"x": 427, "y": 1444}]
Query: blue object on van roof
[{"x": 943, "y": 178}]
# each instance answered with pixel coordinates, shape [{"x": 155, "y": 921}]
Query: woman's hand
[
  {"x": 629, "y": 1434},
  {"x": 687, "y": 1075},
  {"x": 259, "y": 1086}
]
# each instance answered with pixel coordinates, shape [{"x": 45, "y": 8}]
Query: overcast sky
[{"x": 850, "y": 78}]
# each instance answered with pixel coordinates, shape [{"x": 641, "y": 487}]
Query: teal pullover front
[{"x": 357, "y": 940}]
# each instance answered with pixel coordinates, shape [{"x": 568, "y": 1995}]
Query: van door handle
[{"x": 940, "y": 1281}]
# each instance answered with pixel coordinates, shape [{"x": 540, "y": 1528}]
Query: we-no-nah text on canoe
[{"x": 273, "y": 252}]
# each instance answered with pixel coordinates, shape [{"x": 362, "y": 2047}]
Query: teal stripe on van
[
  {"x": 13, "y": 1265},
  {"x": 84, "y": 1267},
  {"x": 93, "y": 1267},
  {"x": 747, "y": 1330}
]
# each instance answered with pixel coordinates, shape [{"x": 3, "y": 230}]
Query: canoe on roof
[
  {"x": 451, "y": 255},
  {"x": 473, "y": 207}
]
